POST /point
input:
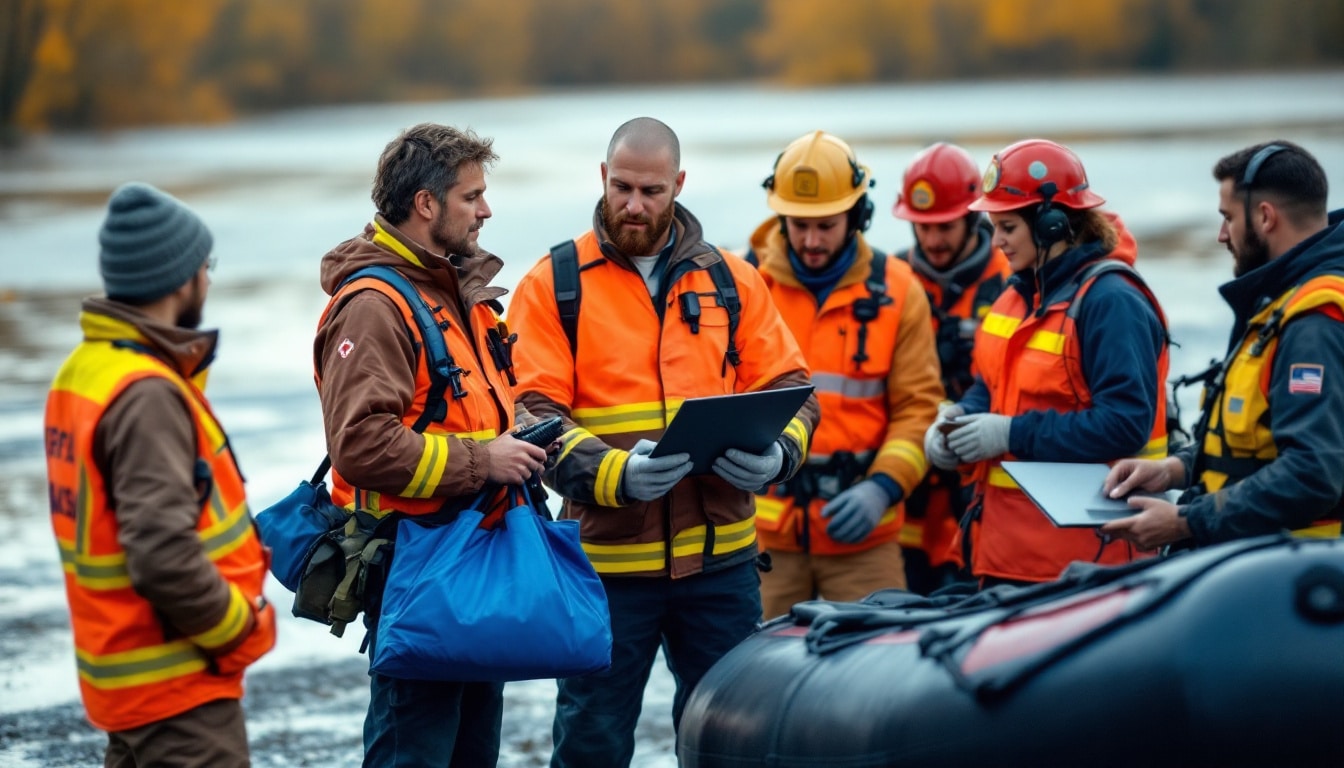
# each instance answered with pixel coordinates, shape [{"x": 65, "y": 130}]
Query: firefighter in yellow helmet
[{"x": 863, "y": 322}]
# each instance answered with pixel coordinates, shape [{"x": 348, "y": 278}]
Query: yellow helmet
[{"x": 816, "y": 175}]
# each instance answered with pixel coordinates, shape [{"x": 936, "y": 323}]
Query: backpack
[{"x": 569, "y": 294}]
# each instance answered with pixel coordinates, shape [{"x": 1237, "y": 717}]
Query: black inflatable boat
[{"x": 1226, "y": 656}]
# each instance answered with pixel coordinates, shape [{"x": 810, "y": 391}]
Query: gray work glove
[
  {"x": 646, "y": 479},
  {"x": 855, "y": 512},
  {"x": 982, "y": 436},
  {"x": 748, "y": 471},
  {"x": 935, "y": 442}
]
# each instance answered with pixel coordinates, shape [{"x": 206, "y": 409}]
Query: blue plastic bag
[
  {"x": 516, "y": 602},
  {"x": 292, "y": 526}
]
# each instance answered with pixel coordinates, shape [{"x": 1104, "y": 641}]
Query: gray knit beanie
[{"x": 152, "y": 244}]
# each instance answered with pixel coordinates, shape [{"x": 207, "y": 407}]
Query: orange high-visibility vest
[
  {"x": 1033, "y": 362},
  {"x": 133, "y": 670}
]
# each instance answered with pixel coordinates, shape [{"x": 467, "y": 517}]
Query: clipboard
[
  {"x": 706, "y": 427},
  {"x": 1070, "y": 494}
]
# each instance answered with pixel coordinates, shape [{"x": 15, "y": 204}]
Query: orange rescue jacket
[{"x": 874, "y": 411}]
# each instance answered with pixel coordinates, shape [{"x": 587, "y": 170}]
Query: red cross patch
[{"x": 345, "y": 348}]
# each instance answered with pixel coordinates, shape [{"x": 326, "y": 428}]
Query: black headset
[
  {"x": 1257, "y": 160},
  {"x": 1051, "y": 224},
  {"x": 1253, "y": 168}
]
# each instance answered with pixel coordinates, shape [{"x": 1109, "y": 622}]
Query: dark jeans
[
  {"x": 696, "y": 620},
  {"x": 424, "y": 723}
]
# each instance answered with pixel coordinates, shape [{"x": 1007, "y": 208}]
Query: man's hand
[
  {"x": 935, "y": 439},
  {"x": 1156, "y": 523},
  {"x": 512, "y": 461},
  {"x": 855, "y": 511},
  {"x": 981, "y": 436},
  {"x": 1129, "y": 475},
  {"x": 747, "y": 471},
  {"x": 646, "y": 479}
]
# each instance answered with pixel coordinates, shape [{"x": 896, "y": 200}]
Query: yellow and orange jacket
[
  {"x": 163, "y": 565},
  {"x": 959, "y": 298},
  {"x": 636, "y": 362},
  {"x": 877, "y": 409},
  {"x": 1032, "y": 360},
  {"x": 1299, "y": 493},
  {"x": 372, "y": 376}
]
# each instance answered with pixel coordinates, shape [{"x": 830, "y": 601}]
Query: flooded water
[{"x": 279, "y": 191}]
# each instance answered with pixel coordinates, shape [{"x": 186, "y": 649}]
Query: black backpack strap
[
  {"x": 867, "y": 308},
  {"x": 443, "y": 372},
  {"x": 727, "y": 289},
  {"x": 568, "y": 289},
  {"x": 1097, "y": 269}
]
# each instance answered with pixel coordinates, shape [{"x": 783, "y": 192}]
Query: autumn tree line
[{"x": 82, "y": 64}]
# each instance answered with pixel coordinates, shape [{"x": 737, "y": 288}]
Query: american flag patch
[{"x": 1305, "y": 379}]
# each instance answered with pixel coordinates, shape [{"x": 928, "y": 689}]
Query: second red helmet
[{"x": 939, "y": 185}]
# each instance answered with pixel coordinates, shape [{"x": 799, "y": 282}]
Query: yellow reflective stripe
[
  {"x": 768, "y": 509},
  {"x": 95, "y": 572},
  {"x": 227, "y": 535},
  {"x": 381, "y": 237},
  {"x": 634, "y": 417},
  {"x": 912, "y": 535},
  {"x": 911, "y": 452},
  {"x": 690, "y": 541},
  {"x": 1047, "y": 341},
  {"x": 608, "y": 479},
  {"x": 626, "y": 558},
  {"x": 797, "y": 430},
  {"x": 141, "y": 666},
  {"x": 1325, "y": 529},
  {"x": 83, "y": 511},
  {"x": 1000, "y": 325},
  {"x": 1000, "y": 478},
  {"x": 433, "y": 460},
  {"x": 571, "y": 439},
  {"x": 733, "y": 536},
  {"x": 229, "y": 627},
  {"x": 1155, "y": 449}
]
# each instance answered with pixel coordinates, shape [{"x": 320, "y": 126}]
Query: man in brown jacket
[
  {"x": 394, "y": 449},
  {"x": 163, "y": 568}
]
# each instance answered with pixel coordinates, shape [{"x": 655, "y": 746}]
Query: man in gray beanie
[{"x": 164, "y": 570}]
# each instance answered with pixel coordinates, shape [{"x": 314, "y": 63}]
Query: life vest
[
  {"x": 467, "y": 403},
  {"x": 639, "y": 363},
  {"x": 958, "y": 304},
  {"x": 133, "y": 670},
  {"x": 1029, "y": 362},
  {"x": 1239, "y": 441},
  {"x": 849, "y": 343}
]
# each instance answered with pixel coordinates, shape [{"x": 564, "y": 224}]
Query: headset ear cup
[
  {"x": 861, "y": 215},
  {"x": 1050, "y": 227}
]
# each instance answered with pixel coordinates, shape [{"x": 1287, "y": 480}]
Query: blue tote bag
[{"x": 519, "y": 601}]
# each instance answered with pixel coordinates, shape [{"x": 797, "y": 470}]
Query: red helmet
[
  {"x": 1022, "y": 174},
  {"x": 941, "y": 181}
]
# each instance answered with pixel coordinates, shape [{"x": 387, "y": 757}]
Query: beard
[
  {"x": 190, "y": 316},
  {"x": 643, "y": 243},
  {"x": 442, "y": 236},
  {"x": 1254, "y": 252}
]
